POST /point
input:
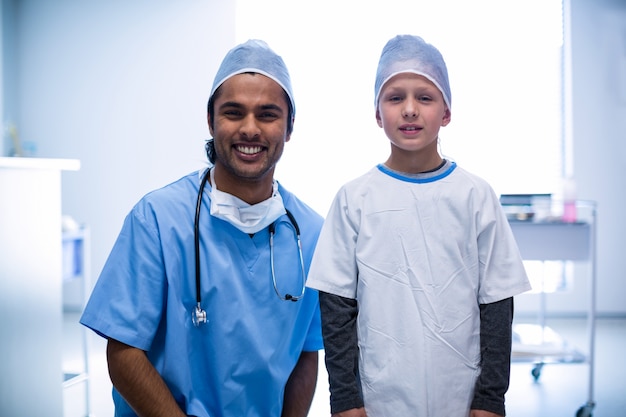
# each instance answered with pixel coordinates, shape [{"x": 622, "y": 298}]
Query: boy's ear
[
  {"x": 378, "y": 119},
  {"x": 446, "y": 117}
]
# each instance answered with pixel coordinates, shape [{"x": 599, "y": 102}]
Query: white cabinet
[
  {"x": 76, "y": 290},
  {"x": 31, "y": 286}
]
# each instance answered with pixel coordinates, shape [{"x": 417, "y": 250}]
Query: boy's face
[{"x": 411, "y": 110}]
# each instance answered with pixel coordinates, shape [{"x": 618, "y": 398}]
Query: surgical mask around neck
[{"x": 245, "y": 217}]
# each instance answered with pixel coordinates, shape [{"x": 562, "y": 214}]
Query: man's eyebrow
[
  {"x": 264, "y": 107},
  {"x": 272, "y": 107},
  {"x": 231, "y": 104}
]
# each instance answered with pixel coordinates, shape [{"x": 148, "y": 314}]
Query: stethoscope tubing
[
  {"x": 199, "y": 315},
  {"x": 196, "y": 232}
]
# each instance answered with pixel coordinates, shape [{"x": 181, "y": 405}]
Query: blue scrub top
[{"x": 239, "y": 361}]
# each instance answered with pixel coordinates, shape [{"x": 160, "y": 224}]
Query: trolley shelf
[
  {"x": 540, "y": 344},
  {"x": 554, "y": 240}
]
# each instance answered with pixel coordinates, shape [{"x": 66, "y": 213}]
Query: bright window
[{"x": 504, "y": 63}]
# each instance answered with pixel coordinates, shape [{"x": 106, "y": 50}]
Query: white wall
[
  {"x": 8, "y": 72},
  {"x": 122, "y": 86},
  {"x": 597, "y": 123},
  {"x": 599, "y": 134},
  {"x": 2, "y": 82},
  {"x": 508, "y": 140},
  {"x": 332, "y": 49}
]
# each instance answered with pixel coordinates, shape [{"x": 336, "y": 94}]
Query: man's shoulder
[
  {"x": 175, "y": 197},
  {"x": 179, "y": 188}
]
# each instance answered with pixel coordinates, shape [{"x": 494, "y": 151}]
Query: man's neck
[{"x": 251, "y": 191}]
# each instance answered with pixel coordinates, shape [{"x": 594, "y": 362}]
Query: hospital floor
[{"x": 560, "y": 390}]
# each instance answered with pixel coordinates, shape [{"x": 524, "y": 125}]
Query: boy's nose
[
  {"x": 410, "y": 108},
  {"x": 410, "y": 111}
]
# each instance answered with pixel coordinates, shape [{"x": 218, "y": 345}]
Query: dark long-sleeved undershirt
[{"x": 341, "y": 351}]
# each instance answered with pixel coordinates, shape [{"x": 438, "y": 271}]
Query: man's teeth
[{"x": 250, "y": 150}]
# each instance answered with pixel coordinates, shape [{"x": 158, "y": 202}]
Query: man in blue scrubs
[{"x": 256, "y": 354}]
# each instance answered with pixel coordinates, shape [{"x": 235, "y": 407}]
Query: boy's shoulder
[
  {"x": 363, "y": 180},
  {"x": 472, "y": 177},
  {"x": 380, "y": 176}
]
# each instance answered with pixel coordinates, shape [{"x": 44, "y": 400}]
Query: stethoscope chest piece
[{"x": 198, "y": 316}]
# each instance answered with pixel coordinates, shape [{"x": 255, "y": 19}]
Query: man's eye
[{"x": 232, "y": 113}]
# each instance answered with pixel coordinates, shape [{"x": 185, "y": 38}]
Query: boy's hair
[{"x": 409, "y": 53}]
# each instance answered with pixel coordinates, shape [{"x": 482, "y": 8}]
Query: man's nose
[{"x": 249, "y": 128}]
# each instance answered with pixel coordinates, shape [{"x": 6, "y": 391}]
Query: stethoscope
[{"x": 198, "y": 316}]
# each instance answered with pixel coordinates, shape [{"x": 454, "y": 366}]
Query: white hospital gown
[{"x": 419, "y": 255}]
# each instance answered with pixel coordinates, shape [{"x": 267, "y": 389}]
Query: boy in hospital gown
[{"x": 416, "y": 265}]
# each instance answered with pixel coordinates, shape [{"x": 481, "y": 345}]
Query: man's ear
[
  {"x": 208, "y": 119},
  {"x": 288, "y": 136}
]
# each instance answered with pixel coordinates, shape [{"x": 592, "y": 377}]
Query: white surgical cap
[
  {"x": 254, "y": 56},
  {"x": 408, "y": 53}
]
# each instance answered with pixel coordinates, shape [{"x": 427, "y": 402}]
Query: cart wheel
[
  {"x": 585, "y": 410},
  {"x": 536, "y": 372}
]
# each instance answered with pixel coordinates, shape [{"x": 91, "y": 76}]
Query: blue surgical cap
[
  {"x": 254, "y": 56},
  {"x": 408, "y": 53}
]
